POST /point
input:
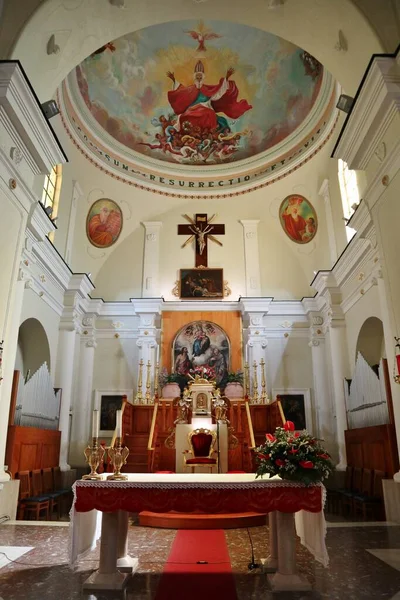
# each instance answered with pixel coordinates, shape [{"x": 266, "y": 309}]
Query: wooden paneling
[
  {"x": 30, "y": 448},
  {"x": 373, "y": 448},
  {"x": 230, "y": 322}
]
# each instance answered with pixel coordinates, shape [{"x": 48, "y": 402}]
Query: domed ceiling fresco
[{"x": 192, "y": 100}]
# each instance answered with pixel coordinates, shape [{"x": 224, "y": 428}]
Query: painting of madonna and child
[
  {"x": 202, "y": 346},
  {"x": 196, "y": 92}
]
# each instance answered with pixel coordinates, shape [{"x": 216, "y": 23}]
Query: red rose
[
  {"x": 293, "y": 451},
  {"x": 325, "y": 456},
  {"x": 297, "y": 434},
  {"x": 306, "y": 464},
  {"x": 270, "y": 437},
  {"x": 289, "y": 426},
  {"x": 280, "y": 462}
]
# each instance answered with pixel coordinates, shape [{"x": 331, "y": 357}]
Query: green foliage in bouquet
[
  {"x": 296, "y": 456},
  {"x": 235, "y": 377}
]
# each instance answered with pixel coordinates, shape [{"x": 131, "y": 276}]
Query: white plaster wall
[
  {"x": 115, "y": 364},
  {"x": 286, "y": 268},
  {"x": 34, "y": 307},
  {"x": 367, "y": 306},
  {"x": 289, "y": 363}
]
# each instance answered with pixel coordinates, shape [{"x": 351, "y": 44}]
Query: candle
[
  {"x": 246, "y": 349},
  {"x": 118, "y": 426},
  {"x": 158, "y": 355},
  {"x": 95, "y": 423}
]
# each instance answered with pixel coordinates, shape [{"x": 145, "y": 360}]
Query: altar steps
[
  {"x": 175, "y": 520},
  {"x": 137, "y": 458}
]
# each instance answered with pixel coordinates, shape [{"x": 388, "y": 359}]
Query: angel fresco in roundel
[
  {"x": 298, "y": 219},
  {"x": 103, "y": 223}
]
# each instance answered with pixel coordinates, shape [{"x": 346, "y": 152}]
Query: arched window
[
  {"x": 51, "y": 194},
  {"x": 349, "y": 192}
]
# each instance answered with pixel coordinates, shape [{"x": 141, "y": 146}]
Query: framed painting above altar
[
  {"x": 296, "y": 406},
  {"x": 204, "y": 283}
]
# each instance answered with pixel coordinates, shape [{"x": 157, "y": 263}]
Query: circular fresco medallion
[
  {"x": 199, "y": 106},
  {"x": 298, "y": 219},
  {"x": 103, "y": 223}
]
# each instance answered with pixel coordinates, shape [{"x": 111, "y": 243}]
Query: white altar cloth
[{"x": 85, "y": 527}]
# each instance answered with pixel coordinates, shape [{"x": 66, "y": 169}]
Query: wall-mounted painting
[
  {"x": 104, "y": 223},
  {"x": 207, "y": 284},
  {"x": 296, "y": 405},
  {"x": 298, "y": 219},
  {"x": 202, "y": 344},
  {"x": 108, "y": 402}
]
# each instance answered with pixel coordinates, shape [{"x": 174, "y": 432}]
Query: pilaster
[
  {"x": 324, "y": 192},
  {"x": 150, "y": 285},
  {"x": 252, "y": 257}
]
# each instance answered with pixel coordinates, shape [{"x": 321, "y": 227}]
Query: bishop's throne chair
[{"x": 201, "y": 442}]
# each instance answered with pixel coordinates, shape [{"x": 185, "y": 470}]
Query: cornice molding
[
  {"x": 376, "y": 106},
  {"x": 26, "y": 115}
]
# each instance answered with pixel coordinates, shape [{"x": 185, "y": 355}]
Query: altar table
[{"x": 101, "y": 508}]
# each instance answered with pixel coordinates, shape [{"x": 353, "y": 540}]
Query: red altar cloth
[{"x": 261, "y": 496}]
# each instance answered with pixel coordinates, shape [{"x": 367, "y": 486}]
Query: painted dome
[{"x": 193, "y": 102}]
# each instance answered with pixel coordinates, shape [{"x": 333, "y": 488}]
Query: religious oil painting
[
  {"x": 108, "y": 411},
  {"x": 298, "y": 219},
  {"x": 202, "y": 345},
  {"x": 104, "y": 223},
  {"x": 199, "y": 92},
  {"x": 204, "y": 283},
  {"x": 293, "y": 406}
]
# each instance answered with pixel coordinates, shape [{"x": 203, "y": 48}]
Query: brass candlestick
[
  {"x": 156, "y": 384},
  {"x": 264, "y": 394},
  {"x": 247, "y": 380},
  {"x": 139, "y": 395},
  {"x": 94, "y": 456},
  {"x": 255, "y": 383},
  {"x": 147, "y": 395},
  {"x": 118, "y": 457}
]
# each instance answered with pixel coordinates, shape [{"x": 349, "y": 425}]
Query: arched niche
[
  {"x": 370, "y": 341},
  {"x": 33, "y": 347}
]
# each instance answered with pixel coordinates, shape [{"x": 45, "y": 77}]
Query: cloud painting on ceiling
[{"x": 199, "y": 93}]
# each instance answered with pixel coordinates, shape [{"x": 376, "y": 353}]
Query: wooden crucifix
[{"x": 201, "y": 229}]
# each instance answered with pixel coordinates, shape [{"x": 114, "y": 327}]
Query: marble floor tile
[
  {"x": 357, "y": 571},
  {"x": 389, "y": 556}
]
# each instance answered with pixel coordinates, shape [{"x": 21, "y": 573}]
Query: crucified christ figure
[{"x": 200, "y": 234}]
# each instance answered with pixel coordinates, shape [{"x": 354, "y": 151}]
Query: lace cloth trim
[{"x": 259, "y": 483}]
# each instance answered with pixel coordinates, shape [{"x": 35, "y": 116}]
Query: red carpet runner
[{"x": 184, "y": 579}]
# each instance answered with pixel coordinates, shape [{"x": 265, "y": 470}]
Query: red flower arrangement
[
  {"x": 205, "y": 372},
  {"x": 296, "y": 456}
]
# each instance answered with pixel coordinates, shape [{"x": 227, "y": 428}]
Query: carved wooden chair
[{"x": 201, "y": 442}]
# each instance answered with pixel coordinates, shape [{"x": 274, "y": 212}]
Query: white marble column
[
  {"x": 252, "y": 257},
  {"x": 324, "y": 423},
  {"x": 338, "y": 347},
  {"x": 148, "y": 311},
  {"x": 151, "y": 261},
  {"x": 64, "y": 379},
  {"x": 325, "y": 193},
  {"x": 83, "y": 405}
]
